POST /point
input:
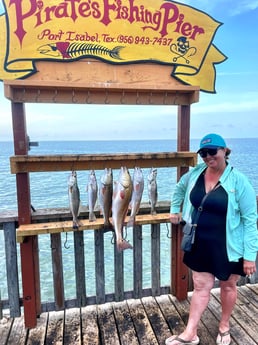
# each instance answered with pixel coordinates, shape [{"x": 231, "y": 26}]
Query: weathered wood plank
[
  {"x": 123, "y": 85},
  {"x": 37, "y": 335},
  {"x": 90, "y": 329},
  {"x": 66, "y": 226},
  {"x": 18, "y": 333},
  {"x": 57, "y": 267},
  {"x": 12, "y": 268},
  {"x": 79, "y": 259},
  {"x": 99, "y": 266},
  {"x": 156, "y": 319},
  {"x": 155, "y": 259},
  {"x": 141, "y": 323},
  {"x": 119, "y": 274},
  {"x": 124, "y": 324},
  {"x": 238, "y": 334},
  {"x": 5, "y": 329},
  {"x": 171, "y": 314},
  {"x": 108, "y": 330},
  {"x": 133, "y": 322},
  {"x": 55, "y": 328},
  {"x": 29, "y": 163},
  {"x": 72, "y": 327},
  {"x": 137, "y": 261}
]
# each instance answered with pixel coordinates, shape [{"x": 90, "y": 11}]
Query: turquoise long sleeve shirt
[{"x": 241, "y": 220}]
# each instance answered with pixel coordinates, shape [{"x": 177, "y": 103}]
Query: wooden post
[
  {"x": 29, "y": 249},
  {"x": 179, "y": 274}
]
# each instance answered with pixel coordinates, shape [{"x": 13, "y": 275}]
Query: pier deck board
[{"x": 146, "y": 321}]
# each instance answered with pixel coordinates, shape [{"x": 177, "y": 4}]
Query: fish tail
[
  {"x": 92, "y": 217},
  {"x": 115, "y": 53},
  {"x": 122, "y": 245},
  {"x": 153, "y": 211},
  {"x": 108, "y": 226},
  {"x": 131, "y": 221}
]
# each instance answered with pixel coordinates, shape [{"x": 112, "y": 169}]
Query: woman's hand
[
  {"x": 249, "y": 267},
  {"x": 175, "y": 218}
]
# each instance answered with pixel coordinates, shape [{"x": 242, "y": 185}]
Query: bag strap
[{"x": 200, "y": 208}]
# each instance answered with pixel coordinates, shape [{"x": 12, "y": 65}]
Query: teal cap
[{"x": 212, "y": 141}]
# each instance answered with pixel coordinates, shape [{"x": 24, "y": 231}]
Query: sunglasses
[{"x": 212, "y": 152}]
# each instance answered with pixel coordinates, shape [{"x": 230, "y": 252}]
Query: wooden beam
[
  {"x": 36, "y": 229},
  {"x": 179, "y": 272},
  {"x": 28, "y": 163},
  {"x": 30, "y": 91},
  {"x": 29, "y": 250}
]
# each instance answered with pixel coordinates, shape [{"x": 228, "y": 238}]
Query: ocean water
[{"x": 50, "y": 190}]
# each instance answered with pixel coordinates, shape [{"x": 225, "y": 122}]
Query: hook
[
  {"x": 113, "y": 238},
  {"x": 66, "y": 241},
  {"x": 106, "y": 99},
  {"x": 176, "y": 98},
  {"x": 74, "y": 100},
  {"x": 122, "y": 98},
  {"x": 23, "y": 95},
  {"x": 137, "y": 98},
  {"x": 37, "y": 97},
  {"x": 165, "y": 98},
  {"x": 150, "y": 98},
  {"x": 54, "y": 97},
  {"x": 168, "y": 236},
  {"x": 88, "y": 98}
]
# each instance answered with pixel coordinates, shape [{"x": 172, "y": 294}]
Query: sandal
[
  {"x": 220, "y": 337},
  {"x": 182, "y": 341}
]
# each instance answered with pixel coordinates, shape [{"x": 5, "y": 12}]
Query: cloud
[
  {"x": 231, "y": 6},
  {"x": 243, "y": 6}
]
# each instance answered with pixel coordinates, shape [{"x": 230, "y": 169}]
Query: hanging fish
[
  {"x": 92, "y": 190},
  {"x": 138, "y": 186},
  {"x": 68, "y": 50},
  {"x": 121, "y": 199},
  {"x": 152, "y": 189},
  {"x": 74, "y": 198},
  {"x": 105, "y": 196}
]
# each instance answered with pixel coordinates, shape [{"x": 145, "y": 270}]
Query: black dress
[{"x": 209, "y": 253}]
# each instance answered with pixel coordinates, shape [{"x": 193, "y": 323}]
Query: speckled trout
[
  {"x": 152, "y": 189},
  {"x": 74, "y": 198},
  {"x": 105, "y": 196},
  {"x": 138, "y": 186},
  {"x": 92, "y": 190},
  {"x": 121, "y": 198}
]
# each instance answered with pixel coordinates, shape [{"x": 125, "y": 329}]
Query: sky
[{"x": 232, "y": 111}]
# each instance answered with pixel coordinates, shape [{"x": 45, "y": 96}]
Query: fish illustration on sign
[
  {"x": 105, "y": 196},
  {"x": 120, "y": 203},
  {"x": 68, "y": 50},
  {"x": 138, "y": 186},
  {"x": 74, "y": 198}
]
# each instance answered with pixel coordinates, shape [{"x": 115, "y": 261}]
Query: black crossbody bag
[{"x": 190, "y": 229}]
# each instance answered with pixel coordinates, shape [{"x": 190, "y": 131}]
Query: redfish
[
  {"x": 138, "y": 186},
  {"x": 120, "y": 202},
  {"x": 74, "y": 198},
  {"x": 105, "y": 196}
]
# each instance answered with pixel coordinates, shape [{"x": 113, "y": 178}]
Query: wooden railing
[
  {"x": 55, "y": 242},
  {"x": 14, "y": 302}
]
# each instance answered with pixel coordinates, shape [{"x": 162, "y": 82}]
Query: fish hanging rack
[{"x": 23, "y": 91}]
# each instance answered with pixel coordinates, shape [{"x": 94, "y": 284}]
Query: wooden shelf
[
  {"x": 31, "y": 91},
  {"x": 67, "y": 226},
  {"x": 28, "y": 163}
]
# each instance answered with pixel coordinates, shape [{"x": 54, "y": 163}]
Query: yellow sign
[{"x": 114, "y": 31}]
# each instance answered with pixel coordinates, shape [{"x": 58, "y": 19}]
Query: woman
[{"x": 226, "y": 239}]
